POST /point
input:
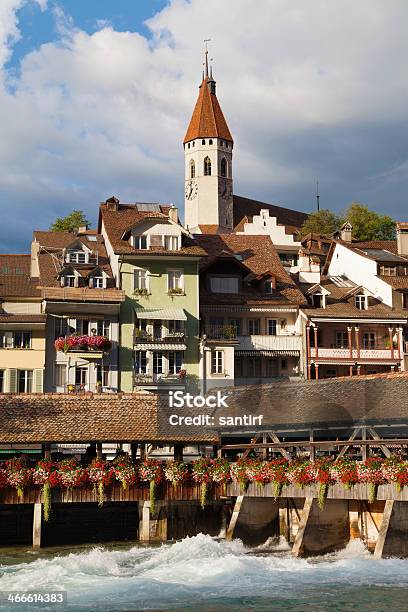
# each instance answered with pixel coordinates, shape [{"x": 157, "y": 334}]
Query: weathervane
[{"x": 206, "y": 40}]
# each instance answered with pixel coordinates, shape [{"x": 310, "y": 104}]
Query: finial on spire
[
  {"x": 317, "y": 196},
  {"x": 206, "y": 40}
]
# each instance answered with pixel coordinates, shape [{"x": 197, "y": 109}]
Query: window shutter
[
  {"x": 12, "y": 380},
  {"x": 38, "y": 381}
]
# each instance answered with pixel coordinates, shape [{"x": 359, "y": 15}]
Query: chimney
[
  {"x": 345, "y": 232},
  {"x": 35, "y": 268},
  {"x": 82, "y": 229},
  {"x": 402, "y": 238},
  {"x": 309, "y": 268},
  {"x": 112, "y": 203},
  {"x": 173, "y": 214}
]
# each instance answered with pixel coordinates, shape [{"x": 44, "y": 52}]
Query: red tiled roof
[
  {"x": 117, "y": 222},
  {"x": 258, "y": 254},
  {"x": 22, "y": 318},
  {"x": 15, "y": 279},
  {"x": 207, "y": 120}
]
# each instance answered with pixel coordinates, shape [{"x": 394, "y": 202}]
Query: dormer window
[
  {"x": 79, "y": 257},
  {"x": 268, "y": 286},
  {"x": 361, "y": 301},
  {"x": 97, "y": 282},
  {"x": 318, "y": 300},
  {"x": 171, "y": 243},
  {"x": 69, "y": 280},
  {"x": 140, "y": 242},
  {"x": 224, "y": 284}
]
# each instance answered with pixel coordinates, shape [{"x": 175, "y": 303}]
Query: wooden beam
[
  {"x": 234, "y": 518},
  {"x": 37, "y": 516},
  {"x": 251, "y": 446},
  {"x": 298, "y": 543},
  {"x": 375, "y": 436},
  {"x": 275, "y": 439},
  {"x": 318, "y": 444},
  {"x": 344, "y": 450},
  {"x": 385, "y": 523},
  {"x": 144, "y": 526}
]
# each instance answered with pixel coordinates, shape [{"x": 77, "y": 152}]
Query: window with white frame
[
  {"x": 25, "y": 381},
  {"x": 97, "y": 281},
  {"x": 60, "y": 375},
  {"x": 236, "y": 324},
  {"x": 369, "y": 340},
  {"x": 224, "y": 284},
  {"x": 272, "y": 326},
  {"x": 158, "y": 362},
  {"x": 388, "y": 270},
  {"x": 69, "y": 280},
  {"x": 103, "y": 328},
  {"x": 318, "y": 300},
  {"x": 140, "y": 242},
  {"x": 175, "y": 280},
  {"x": 175, "y": 361},
  {"x": 102, "y": 375},
  {"x": 82, "y": 327},
  {"x": 15, "y": 339},
  {"x": 254, "y": 327},
  {"x": 140, "y": 279},
  {"x": 176, "y": 327},
  {"x": 268, "y": 286},
  {"x": 217, "y": 362},
  {"x": 81, "y": 375},
  {"x": 61, "y": 327},
  {"x": 1, "y": 381},
  {"x": 361, "y": 301},
  {"x": 79, "y": 257},
  {"x": 141, "y": 362},
  {"x": 171, "y": 243}
]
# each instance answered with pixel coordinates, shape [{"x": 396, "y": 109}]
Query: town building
[
  {"x": 249, "y": 310},
  {"x": 22, "y": 327},
  {"x": 81, "y": 305},
  {"x": 154, "y": 261}
]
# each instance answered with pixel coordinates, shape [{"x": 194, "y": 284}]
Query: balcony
[
  {"x": 144, "y": 337},
  {"x": 279, "y": 343},
  {"x": 220, "y": 332},
  {"x": 82, "y": 294},
  {"x": 376, "y": 352},
  {"x": 92, "y": 346},
  {"x": 157, "y": 380}
]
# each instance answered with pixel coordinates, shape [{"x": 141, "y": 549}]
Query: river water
[{"x": 202, "y": 574}]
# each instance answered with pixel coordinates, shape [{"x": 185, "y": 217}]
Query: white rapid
[{"x": 201, "y": 573}]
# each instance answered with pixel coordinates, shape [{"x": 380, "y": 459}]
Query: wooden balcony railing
[{"x": 219, "y": 332}]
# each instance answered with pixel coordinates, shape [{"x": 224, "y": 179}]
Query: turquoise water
[{"x": 206, "y": 575}]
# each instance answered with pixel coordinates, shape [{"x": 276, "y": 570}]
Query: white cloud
[{"x": 307, "y": 88}]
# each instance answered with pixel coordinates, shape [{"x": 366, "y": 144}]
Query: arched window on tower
[
  {"x": 207, "y": 166},
  {"x": 223, "y": 167},
  {"x": 192, "y": 169}
]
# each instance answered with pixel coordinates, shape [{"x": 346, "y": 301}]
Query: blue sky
[{"x": 95, "y": 98}]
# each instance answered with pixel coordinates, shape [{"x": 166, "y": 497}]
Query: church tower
[{"x": 208, "y": 162}]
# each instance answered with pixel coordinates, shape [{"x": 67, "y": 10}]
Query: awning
[
  {"x": 167, "y": 314},
  {"x": 266, "y": 353},
  {"x": 162, "y": 346},
  {"x": 85, "y": 355}
]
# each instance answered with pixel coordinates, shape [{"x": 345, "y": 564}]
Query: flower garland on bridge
[{"x": 69, "y": 474}]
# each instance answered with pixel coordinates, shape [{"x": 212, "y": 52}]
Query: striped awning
[
  {"x": 160, "y": 346},
  {"x": 266, "y": 353},
  {"x": 166, "y": 314},
  {"x": 86, "y": 355}
]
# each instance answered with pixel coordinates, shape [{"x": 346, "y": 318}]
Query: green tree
[
  {"x": 70, "y": 223},
  {"x": 321, "y": 222},
  {"x": 369, "y": 225}
]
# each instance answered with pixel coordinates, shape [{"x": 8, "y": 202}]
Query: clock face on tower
[
  {"x": 191, "y": 189},
  {"x": 224, "y": 189}
]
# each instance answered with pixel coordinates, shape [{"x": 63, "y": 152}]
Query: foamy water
[{"x": 201, "y": 573}]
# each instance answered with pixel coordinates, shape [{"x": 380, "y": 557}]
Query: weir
[{"x": 253, "y": 516}]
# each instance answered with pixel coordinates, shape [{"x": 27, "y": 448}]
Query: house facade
[
  {"x": 22, "y": 328},
  {"x": 249, "y": 311},
  {"x": 155, "y": 263},
  {"x": 81, "y": 305}
]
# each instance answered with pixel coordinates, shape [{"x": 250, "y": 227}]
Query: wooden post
[
  {"x": 364, "y": 447},
  {"x": 284, "y": 520},
  {"x": 357, "y": 333},
  {"x": 144, "y": 527},
  {"x": 37, "y": 525},
  {"x": 385, "y": 523},
  {"x": 133, "y": 451},
  {"x": 312, "y": 448},
  {"x": 99, "y": 450},
  {"x": 142, "y": 451},
  {"x": 46, "y": 450},
  {"x": 350, "y": 343},
  {"x": 178, "y": 452},
  {"x": 298, "y": 543},
  {"x": 316, "y": 342},
  {"x": 234, "y": 518},
  {"x": 391, "y": 332}
]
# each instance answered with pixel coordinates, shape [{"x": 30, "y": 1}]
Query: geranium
[
  {"x": 301, "y": 474},
  {"x": 71, "y": 474},
  {"x": 125, "y": 471},
  {"x": 371, "y": 471},
  {"x": 176, "y": 472},
  {"x": 258, "y": 471},
  {"x": 3, "y": 478},
  {"x": 95, "y": 342},
  {"x": 345, "y": 471},
  {"x": 151, "y": 471},
  {"x": 101, "y": 473},
  {"x": 18, "y": 474},
  {"x": 201, "y": 473},
  {"x": 46, "y": 474},
  {"x": 323, "y": 476},
  {"x": 278, "y": 475},
  {"x": 239, "y": 472}
]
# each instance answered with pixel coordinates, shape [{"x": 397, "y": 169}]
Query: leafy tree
[
  {"x": 70, "y": 223},
  {"x": 369, "y": 225},
  {"x": 321, "y": 222}
]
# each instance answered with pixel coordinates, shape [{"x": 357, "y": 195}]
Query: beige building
[{"x": 22, "y": 327}]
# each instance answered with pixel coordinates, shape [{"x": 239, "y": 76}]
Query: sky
[{"x": 96, "y": 95}]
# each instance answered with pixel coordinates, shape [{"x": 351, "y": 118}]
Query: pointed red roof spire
[{"x": 207, "y": 120}]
